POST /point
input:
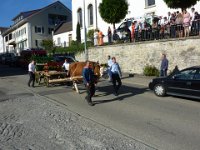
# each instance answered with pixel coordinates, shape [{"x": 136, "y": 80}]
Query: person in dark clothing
[
  {"x": 89, "y": 81},
  {"x": 116, "y": 76},
  {"x": 164, "y": 66},
  {"x": 109, "y": 35}
]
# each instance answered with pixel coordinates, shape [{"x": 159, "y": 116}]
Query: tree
[
  {"x": 183, "y": 4},
  {"x": 113, "y": 11},
  {"x": 90, "y": 35},
  {"x": 78, "y": 32},
  {"x": 48, "y": 45}
]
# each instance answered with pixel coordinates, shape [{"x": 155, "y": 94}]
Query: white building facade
[
  {"x": 30, "y": 28},
  {"x": 93, "y": 20},
  {"x": 63, "y": 35}
]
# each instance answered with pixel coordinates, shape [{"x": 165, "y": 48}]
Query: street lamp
[{"x": 85, "y": 34}]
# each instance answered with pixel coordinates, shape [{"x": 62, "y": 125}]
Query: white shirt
[
  {"x": 31, "y": 67},
  {"x": 66, "y": 66},
  {"x": 110, "y": 62},
  {"x": 192, "y": 16}
]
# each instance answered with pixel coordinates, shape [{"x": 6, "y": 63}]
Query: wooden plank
[{"x": 59, "y": 80}]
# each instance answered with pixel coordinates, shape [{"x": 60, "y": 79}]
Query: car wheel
[{"x": 159, "y": 90}]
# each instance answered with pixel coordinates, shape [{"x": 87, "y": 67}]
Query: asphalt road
[{"x": 167, "y": 123}]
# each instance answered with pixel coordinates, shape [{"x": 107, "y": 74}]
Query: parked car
[
  {"x": 124, "y": 29},
  {"x": 60, "y": 59},
  {"x": 185, "y": 83},
  {"x": 6, "y": 57},
  {"x": 14, "y": 61}
]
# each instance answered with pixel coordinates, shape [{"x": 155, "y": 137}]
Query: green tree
[
  {"x": 48, "y": 45},
  {"x": 113, "y": 11},
  {"x": 183, "y": 4},
  {"x": 78, "y": 32},
  {"x": 90, "y": 35}
]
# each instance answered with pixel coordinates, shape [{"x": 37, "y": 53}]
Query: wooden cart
[{"x": 53, "y": 77}]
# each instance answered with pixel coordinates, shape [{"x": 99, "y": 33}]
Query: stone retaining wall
[{"x": 133, "y": 57}]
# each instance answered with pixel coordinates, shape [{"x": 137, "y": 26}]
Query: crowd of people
[{"x": 173, "y": 25}]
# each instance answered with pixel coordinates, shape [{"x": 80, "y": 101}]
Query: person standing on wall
[
  {"x": 116, "y": 76},
  {"x": 31, "y": 72},
  {"x": 164, "y": 66},
  {"x": 89, "y": 82},
  {"x": 100, "y": 35},
  {"x": 96, "y": 37},
  {"x": 109, "y": 35},
  {"x": 133, "y": 32}
]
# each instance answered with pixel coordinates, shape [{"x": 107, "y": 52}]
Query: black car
[{"x": 185, "y": 83}]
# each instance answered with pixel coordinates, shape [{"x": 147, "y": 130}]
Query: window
[
  {"x": 197, "y": 76},
  {"x": 39, "y": 29},
  {"x": 58, "y": 41},
  {"x": 150, "y": 3},
  {"x": 6, "y": 38},
  {"x": 50, "y": 30},
  {"x": 10, "y": 36},
  {"x": 186, "y": 74},
  {"x": 54, "y": 19},
  {"x": 80, "y": 17},
  {"x": 90, "y": 14},
  {"x": 36, "y": 43}
]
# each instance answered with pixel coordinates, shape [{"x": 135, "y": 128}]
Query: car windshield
[{"x": 186, "y": 74}]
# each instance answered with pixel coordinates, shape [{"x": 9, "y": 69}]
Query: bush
[
  {"x": 75, "y": 48},
  {"x": 90, "y": 35},
  {"x": 151, "y": 71}
]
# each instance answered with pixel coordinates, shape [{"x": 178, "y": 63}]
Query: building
[
  {"x": 2, "y": 29},
  {"x": 31, "y": 27},
  {"x": 63, "y": 34},
  {"x": 93, "y": 19}
]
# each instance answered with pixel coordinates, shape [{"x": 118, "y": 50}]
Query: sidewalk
[{"x": 137, "y": 79}]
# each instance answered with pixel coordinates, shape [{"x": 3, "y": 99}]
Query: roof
[
  {"x": 63, "y": 27},
  {"x": 32, "y": 12},
  {"x": 26, "y": 14},
  {"x": 3, "y": 28},
  {"x": 29, "y": 14}
]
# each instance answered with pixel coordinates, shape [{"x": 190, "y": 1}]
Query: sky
[{"x": 11, "y": 8}]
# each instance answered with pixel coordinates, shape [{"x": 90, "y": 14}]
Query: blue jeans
[{"x": 163, "y": 73}]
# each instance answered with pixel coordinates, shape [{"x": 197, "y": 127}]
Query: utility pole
[{"x": 85, "y": 36}]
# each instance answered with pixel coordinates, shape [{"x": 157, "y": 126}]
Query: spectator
[
  {"x": 109, "y": 35},
  {"x": 116, "y": 76},
  {"x": 133, "y": 32},
  {"x": 197, "y": 21},
  {"x": 173, "y": 26},
  {"x": 186, "y": 22},
  {"x": 179, "y": 25},
  {"x": 96, "y": 37},
  {"x": 100, "y": 35},
  {"x": 192, "y": 20},
  {"x": 169, "y": 16},
  {"x": 163, "y": 66}
]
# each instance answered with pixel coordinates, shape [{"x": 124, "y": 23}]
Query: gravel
[{"x": 31, "y": 122}]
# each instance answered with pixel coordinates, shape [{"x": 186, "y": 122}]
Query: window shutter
[{"x": 36, "y": 43}]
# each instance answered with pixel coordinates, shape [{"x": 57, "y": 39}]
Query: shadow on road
[
  {"x": 11, "y": 71},
  {"x": 124, "y": 92}
]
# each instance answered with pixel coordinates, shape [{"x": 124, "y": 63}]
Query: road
[{"x": 168, "y": 123}]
